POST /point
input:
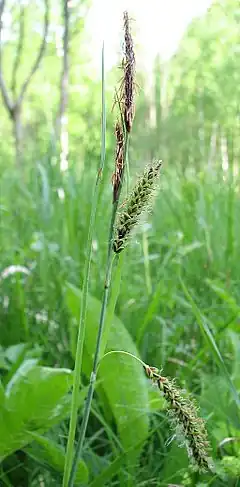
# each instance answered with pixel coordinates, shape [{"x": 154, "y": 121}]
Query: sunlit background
[
  {"x": 158, "y": 24},
  {"x": 174, "y": 294}
]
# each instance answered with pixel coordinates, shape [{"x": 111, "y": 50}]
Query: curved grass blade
[
  {"x": 211, "y": 342},
  {"x": 82, "y": 318}
]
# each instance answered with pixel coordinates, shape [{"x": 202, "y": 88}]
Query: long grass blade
[
  {"x": 211, "y": 342},
  {"x": 82, "y": 318}
]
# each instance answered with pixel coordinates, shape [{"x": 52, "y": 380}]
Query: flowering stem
[{"x": 107, "y": 283}]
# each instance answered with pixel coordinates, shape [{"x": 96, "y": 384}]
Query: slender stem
[
  {"x": 107, "y": 283},
  {"x": 115, "y": 288},
  {"x": 88, "y": 403},
  {"x": 82, "y": 318},
  {"x": 122, "y": 352}
]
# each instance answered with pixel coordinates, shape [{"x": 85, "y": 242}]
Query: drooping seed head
[
  {"x": 137, "y": 202},
  {"x": 184, "y": 414}
]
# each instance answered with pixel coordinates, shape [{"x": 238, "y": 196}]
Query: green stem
[
  {"x": 88, "y": 403},
  {"x": 115, "y": 288},
  {"x": 122, "y": 352},
  {"x": 82, "y": 318},
  {"x": 107, "y": 283}
]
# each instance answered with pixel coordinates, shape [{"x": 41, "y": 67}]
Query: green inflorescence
[
  {"x": 135, "y": 205},
  {"x": 184, "y": 413}
]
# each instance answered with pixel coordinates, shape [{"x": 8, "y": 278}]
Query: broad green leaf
[
  {"x": 122, "y": 379},
  {"x": 35, "y": 399},
  {"x": 51, "y": 454}
]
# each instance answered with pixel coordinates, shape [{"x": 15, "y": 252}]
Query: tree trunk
[
  {"x": 62, "y": 120},
  {"x": 14, "y": 106},
  {"x": 17, "y": 134}
]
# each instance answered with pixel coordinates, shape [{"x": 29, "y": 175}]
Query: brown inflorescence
[
  {"x": 128, "y": 85},
  {"x": 185, "y": 415},
  {"x": 119, "y": 161},
  {"x": 135, "y": 205}
]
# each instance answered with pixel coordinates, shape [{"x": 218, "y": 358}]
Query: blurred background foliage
[{"x": 187, "y": 114}]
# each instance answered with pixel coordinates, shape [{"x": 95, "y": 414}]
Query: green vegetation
[{"x": 174, "y": 300}]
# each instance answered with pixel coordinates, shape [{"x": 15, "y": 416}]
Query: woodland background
[{"x": 187, "y": 114}]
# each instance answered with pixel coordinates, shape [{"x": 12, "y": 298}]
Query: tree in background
[
  {"x": 190, "y": 113},
  {"x": 12, "y": 101},
  {"x": 62, "y": 119},
  {"x": 203, "y": 90}
]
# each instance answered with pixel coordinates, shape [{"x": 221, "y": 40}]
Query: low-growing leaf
[{"x": 35, "y": 399}]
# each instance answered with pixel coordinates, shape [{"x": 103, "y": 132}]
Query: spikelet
[
  {"x": 127, "y": 88},
  {"x": 119, "y": 161},
  {"x": 135, "y": 205},
  {"x": 184, "y": 413}
]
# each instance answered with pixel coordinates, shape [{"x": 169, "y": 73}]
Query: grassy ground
[{"x": 179, "y": 300}]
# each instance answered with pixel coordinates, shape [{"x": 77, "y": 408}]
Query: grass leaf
[{"x": 211, "y": 342}]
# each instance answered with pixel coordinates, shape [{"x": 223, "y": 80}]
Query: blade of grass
[
  {"x": 224, "y": 295},
  {"x": 194, "y": 362},
  {"x": 82, "y": 318},
  {"x": 211, "y": 342}
]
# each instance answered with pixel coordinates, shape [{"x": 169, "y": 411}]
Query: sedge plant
[
  {"x": 122, "y": 224},
  {"x": 125, "y": 101}
]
